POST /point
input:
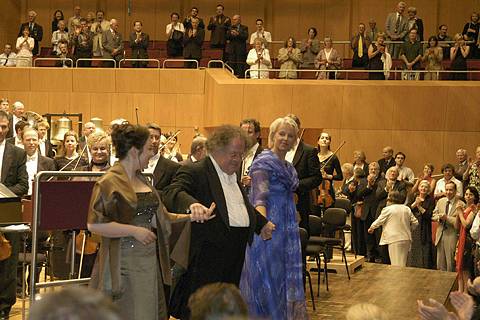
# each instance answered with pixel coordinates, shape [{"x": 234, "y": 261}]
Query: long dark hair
[
  {"x": 55, "y": 15},
  {"x": 430, "y": 39}
]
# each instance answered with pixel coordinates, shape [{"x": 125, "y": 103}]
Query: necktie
[
  {"x": 31, "y": 26},
  {"x": 397, "y": 23},
  {"x": 360, "y": 47},
  {"x": 6, "y": 61}
]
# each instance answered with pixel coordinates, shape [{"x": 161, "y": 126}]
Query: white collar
[
  {"x": 222, "y": 174},
  {"x": 32, "y": 157}
]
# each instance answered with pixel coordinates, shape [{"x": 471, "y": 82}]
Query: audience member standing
[
  {"x": 25, "y": 45},
  {"x": 427, "y": 176},
  {"x": 446, "y": 213},
  {"x": 359, "y": 44},
  {"x": 462, "y": 163},
  {"x": 397, "y": 222},
  {"x": 378, "y": 59},
  {"x": 309, "y": 49},
  {"x": 360, "y": 161},
  {"x": 60, "y": 35},
  {"x": 192, "y": 43},
  {"x": 261, "y": 33},
  {"x": 74, "y": 21},
  {"x": 448, "y": 172},
  {"x": 35, "y": 31},
  {"x": 139, "y": 45},
  {"x": 443, "y": 36},
  {"x": 415, "y": 23},
  {"x": 289, "y": 58},
  {"x": 411, "y": 54},
  {"x": 57, "y": 17},
  {"x": 472, "y": 173},
  {"x": 112, "y": 44},
  {"x": 404, "y": 173},
  {"x": 421, "y": 252},
  {"x": 83, "y": 43},
  {"x": 8, "y": 58},
  {"x": 218, "y": 25},
  {"x": 372, "y": 29},
  {"x": 251, "y": 127},
  {"x": 458, "y": 56},
  {"x": 259, "y": 59},
  {"x": 387, "y": 161},
  {"x": 237, "y": 35},
  {"x": 432, "y": 58},
  {"x": 328, "y": 59},
  {"x": 470, "y": 33},
  {"x": 175, "y": 34},
  {"x": 396, "y": 29},
  {"x": 272, "y": 275},
  {"x": 101, "y": 22},
  {"x": 193, "y": 14}
]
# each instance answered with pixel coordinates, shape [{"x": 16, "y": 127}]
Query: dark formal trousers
[
  {"x": 8, "y": 275},
  {"x": 358, "y": 237}
]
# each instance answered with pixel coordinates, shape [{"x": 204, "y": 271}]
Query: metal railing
[
  {"x": 386, "y": 42},
  {"x": 139, "y": 60},
  {"x": 96, "y": 59},
  {"x": 347, "y": 71},
  {"x": 224, "y": 65},
  {"x": 2, "y": 60},
  {"x": 52, "y": 59},
  {"x": 179, "y": 60}
]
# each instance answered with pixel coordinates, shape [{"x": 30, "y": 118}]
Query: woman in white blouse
[
  {"x": 25, "y": 46},
  {"x": 397, "y": 221},
  {"x": 259, "y": 58},
  {"x": 175, "y": 31},
  {"x": 59, "y": 35},
  {"x": 327, "y": 59}
]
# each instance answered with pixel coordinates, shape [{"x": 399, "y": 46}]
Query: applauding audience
[{"x": 289, "y": 58}]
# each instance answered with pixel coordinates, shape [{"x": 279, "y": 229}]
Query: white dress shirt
[
  {"x": 440, "y": 186},
  {"x": 247, "y": 162},
  {"x": 32, "y": 166},
  {"x": 14, "y": 120},
  {"x": 179, "y": 27},
  {"x": 2, "y": 152},
  {"x": 291, "y": 154},
  {"x": 265, "y": 35},
  {"x": 42, "y": 147},
  {"x": 237, "y": 211},
  {"x": 405, "y": 174},
  {"x": 397, "y": 221},
  {"x": 152, "y": 163},
  {"x": 8, "y": 61},
  {"x": 475, "y": 229}
]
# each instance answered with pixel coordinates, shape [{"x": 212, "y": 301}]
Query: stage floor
[{"x": 394, "y": 289}]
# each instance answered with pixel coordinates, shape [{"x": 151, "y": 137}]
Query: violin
[
  {"x": 91, "y": 246},
  {"x": 325, "y": 189}
]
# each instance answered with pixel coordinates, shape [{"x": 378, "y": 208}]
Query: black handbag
[{"x": 177, "y": 35}]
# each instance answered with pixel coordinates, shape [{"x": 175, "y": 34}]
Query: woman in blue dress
[{"x": 271, "y": 282}]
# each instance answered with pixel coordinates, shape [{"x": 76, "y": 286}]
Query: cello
[{"x": 324, "y": 198}]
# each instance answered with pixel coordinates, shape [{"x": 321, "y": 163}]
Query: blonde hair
[
  {"x": 96, "y": 137},
  {"x": 365, "y": 311},
  {"x": 276, "y": 125},
  {"x": 425, "y": 182}
]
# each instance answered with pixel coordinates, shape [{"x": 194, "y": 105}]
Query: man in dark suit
[
  {"x": 366, "y": 194},
  {"x": 139, "y": 45},
  {"x": 14, "y": 176},
  {"x": 192, "y": 43},
  {"x": 163, "y": 170},
  {"x": 218, "y": 25},
  {"x": 359, "y": 45},
  {"x": 237, "y": 35},
  {"x": 112, "y": 44},
  {"x": 209, "y": 190},
  {"x": 252, "y": 128},
  {"x": 387, "y": 161},
  {"x": 198, "y": 150},
  {"x": 36, "y": 31},
  {"x": 45, "y": 146},
  {"x": 305, "y": 160}
]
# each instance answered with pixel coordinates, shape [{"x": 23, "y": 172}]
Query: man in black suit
[
  {"x": 198, "y": 150},
  {"x": 366, "y": 194},
  {"x": 305, "y": 160},
  {"x": 192, "y": 43},
  {"x": 163, "y": 169},
  {"x": 45, "y": 146},
  {"x": 237, "y": 35},
  {"x": 252, "y": 128},
  {"x": 14, "y": 176},
  {"x": 210, "y": 191},
  {"x": 36, "y": 31},
  {"x": 387, "y": 161},
  {"x": 139, "y": 45}
]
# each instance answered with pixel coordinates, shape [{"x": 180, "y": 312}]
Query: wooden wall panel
[
  {"x": 189, "y": 110},
  {"x": 463, "y": 111},
  {"x": 15, "y": 79},
  {"x": 101, "y": 107},
  {"x": 182, "y": 81},
  {"x": 51, "y": 79},
  {"x": 39, "y": 102},
  {"x": 80, "y": 103},
  {"x": 132, "y": 81},
  {"x": 59, "y": 102},
  {"x": 165, "y": 106},
  {"x": 454, "y": 140},
  {"x": 10, "y": 22},
  {"x": 91, "y": 80},
  {"x": 369, "y": 141},
  {"x": 146, "y": 107},
  {"x": 221, "y": 98}
]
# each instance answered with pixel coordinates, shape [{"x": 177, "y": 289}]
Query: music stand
[{"x": 10, "y": 206}]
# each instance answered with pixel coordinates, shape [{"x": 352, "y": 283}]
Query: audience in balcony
[
  {"x": 328, "y": 59},
  {"x": 74, "y": 20},
  {"x": 175, "y": 32},
  {"x": 139, "y": 45},
  {"x": 83, "y": 43},
  {"x": 8, "y": 58},
  {"x": 261, "y": 33},
  {"x": 90, "y": 18},
  {"x": 100, "y": 21},
  {"x": 458, "y": 56},
  {"x": 35, "y": 31},
  {"x": 218, "y": 25},
  {"x": 97, "y": 41},
  {"x": 309, "y": 49},
  {"x": 237, "y": 36},
  {"x": 462, "y": 164},
  {"x": 415, "y": 23},
  {"x": 411, "y": 54},
  {"x": 289, "y": 58},
  {"x": 396, "y": 28},
  {"x": 360, "y": 162},
  {"x": 372, "y": 30},
  {"x": 472, "y": 173},
  {"x": 470, "y": 33},
  {"x": 259, "y": 59},
  {"x": 405, "y": 174},
  {"x": 64, "y": 55},
  {"x": 57, "y": 17},
  {"x": 193, "y": 14},
  {"x": 432, "y": 58},
  {"x": 112, "y": 43},
  {"x": 60, "y": 35},
  {"x": 443, "y": 36},
  {"x": 378, "y": 59},
  {"x": 359, "y": 44},
  {"x": 448, "y": 172},
  {"x": 192, "y": 43},
  {"x": 426, "y": 175},
  {"x": 25, "y": 46}
]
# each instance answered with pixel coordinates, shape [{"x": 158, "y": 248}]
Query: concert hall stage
[{"x": 394, "y": 289}]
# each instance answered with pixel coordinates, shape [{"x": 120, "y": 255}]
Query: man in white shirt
[
  {"x": 265, "y": 36},
  {"x": 405, "y": 174},
  {"x": 448, "y": 176},
  {"x": 446, "y": 213},
  {"x": 7, "y": 58},
  {"x": 252, "y": 128},
  {"x": 18, "y": 110}
]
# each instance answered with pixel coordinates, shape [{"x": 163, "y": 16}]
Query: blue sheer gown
[{"x": 271, "y": 282}]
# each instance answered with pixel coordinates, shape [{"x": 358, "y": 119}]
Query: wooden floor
[{"x": 394, "y": 289}]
